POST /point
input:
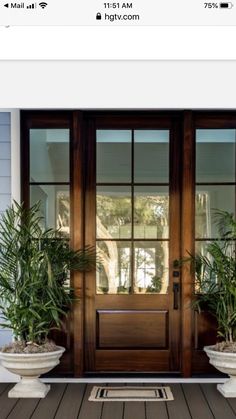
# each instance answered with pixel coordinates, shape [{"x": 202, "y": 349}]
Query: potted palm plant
[
  {"x": 34, "y": 294},
  {"x": 215, "y": 273}
]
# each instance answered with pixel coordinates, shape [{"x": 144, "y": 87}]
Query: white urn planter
[
  {"x": 226, "y": 363},
  {"x": 30, "y": 367}
]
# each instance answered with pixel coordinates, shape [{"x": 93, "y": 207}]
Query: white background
[{"x": 110, "y": 43}]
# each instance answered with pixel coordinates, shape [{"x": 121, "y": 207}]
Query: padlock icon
[{"x": 98, "y": 16}]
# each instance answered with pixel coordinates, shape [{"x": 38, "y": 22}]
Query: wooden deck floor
[{"x": 70, "y": 401}]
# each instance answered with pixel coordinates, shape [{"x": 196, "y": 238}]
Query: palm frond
[
  {"x": 34, "y": 268},
  {"x": 215, "y": 276}
]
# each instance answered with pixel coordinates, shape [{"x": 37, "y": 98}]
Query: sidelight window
[
  {"x": 49, "y": 176},
  {"x": 215, "y": 181}
]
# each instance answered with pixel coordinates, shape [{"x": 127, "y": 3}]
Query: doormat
[{"x": 131, "y": 394}]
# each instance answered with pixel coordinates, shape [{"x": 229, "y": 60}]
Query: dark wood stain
[
  {"x": 105, "y": 328},
  {"x": 187, "y": 239},
  {"x": 134, "y": 325},
  {"x": 186, "y": 333},
  {"x": 77, "y": 239}
]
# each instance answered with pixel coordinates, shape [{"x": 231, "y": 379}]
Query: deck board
[
  {"x": 23, "y": 409},
  {"x": 218, "y": 404},
  {"x": 3, "y": 387},
  {"x": 178, "y": 409},
  {"x": 6, "y": 404},
  {"x": 90, "y": 410},
  {"x": 70, "y": 401},
  {"x": 135, "y": 410},
  {"x": 156, "y": 410},
  {"x": 232, "y": 403},
  {"x": 47, "y": 407},
  {"x": 195, "y": 398},
  {"x": 113, "y": 411}
]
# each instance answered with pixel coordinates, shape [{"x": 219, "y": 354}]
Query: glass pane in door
[
  {"x": 113, "y": 156},
  {"x": 151, "y": 272},
  {"x": 113, "y": 212},
  {"x": 114, "y": 276},
  {"x": 151, "y": 212},
  {"x": 132, "y": 211},
  {"x": 151, "y": 156}
]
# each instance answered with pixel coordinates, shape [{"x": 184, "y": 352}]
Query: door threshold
[{"x": 136, "y": 380}]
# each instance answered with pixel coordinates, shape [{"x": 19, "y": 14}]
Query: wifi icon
[{"x": 43, "y": 4}]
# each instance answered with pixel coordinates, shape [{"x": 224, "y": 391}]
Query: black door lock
[{"x": 176, "y": 288}]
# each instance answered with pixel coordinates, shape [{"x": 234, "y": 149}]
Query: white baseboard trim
[
  {"x": 7, "y": 377},
  {"x": 135, "y": 380}
]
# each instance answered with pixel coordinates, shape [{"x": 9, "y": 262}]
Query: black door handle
[{"x": 176, "y": 295}]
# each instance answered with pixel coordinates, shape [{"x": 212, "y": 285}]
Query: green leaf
[{"x": 34, "y": 269}]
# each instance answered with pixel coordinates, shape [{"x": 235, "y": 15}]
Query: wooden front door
[
  {"x": 132, "y": 215},
  {"x": 128, "y": 316}
]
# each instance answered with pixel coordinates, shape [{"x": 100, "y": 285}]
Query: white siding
[
  {"x": 5, "y": 183},
  {"x": 5, "y": 160},
  {"x": 5, "y": 337}
]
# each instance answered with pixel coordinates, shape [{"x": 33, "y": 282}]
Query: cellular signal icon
[
  {"x": 31, "y": 6},
  {"x": 43, "y": 4}
]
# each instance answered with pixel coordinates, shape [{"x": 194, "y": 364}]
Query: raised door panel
[{"x": 132, "y": 329}]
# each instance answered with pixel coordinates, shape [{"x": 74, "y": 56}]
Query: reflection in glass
[
  {"x": 215, "y": 155},
  {"x": 206, "y": 249},
  {"x": 203, "y": 215},
  {"x": 113, "y": 212},
  {"x": 151, "y": 212},
  {"x": 49, "y": 155},
  {"x": 151, "y": 156},
  {"x": 201, "y": 249},
  {"x": 54, "y": 206},
  {"x": 113, "y": 156},
  {"x": 114, "y": 276},
  {"x": 209, "y": 199},
  {"x": 63, "y": 212},
  {"x": 151, "y": 261}
]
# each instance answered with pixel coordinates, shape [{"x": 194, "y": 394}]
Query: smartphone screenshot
[{"x": 117, "y": 209}]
